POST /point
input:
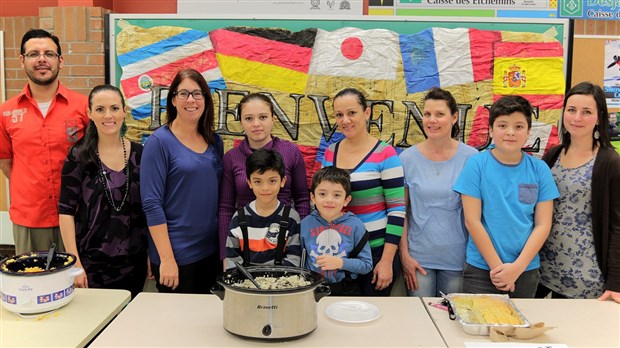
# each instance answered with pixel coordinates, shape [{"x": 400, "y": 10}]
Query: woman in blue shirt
[
  {"x": 181, "y": 174},
  {"x": 432, "y": 248}
]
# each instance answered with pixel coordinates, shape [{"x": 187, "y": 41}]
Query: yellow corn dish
[{"x": 486, "y": 310}]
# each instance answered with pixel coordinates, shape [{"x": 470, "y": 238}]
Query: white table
[
  {"x": 72, "y": 325},
  {"x": 578, "y": 323},
  {"x": 183, "y": 320}
]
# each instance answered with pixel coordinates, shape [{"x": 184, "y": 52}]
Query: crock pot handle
[
  {"x": 321, "y": 291},
  {"x": 218, "y": 290},
  {"x": 75, "y": 272}
]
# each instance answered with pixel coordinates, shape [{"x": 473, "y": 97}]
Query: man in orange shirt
[{"x": 37, "y": 127}]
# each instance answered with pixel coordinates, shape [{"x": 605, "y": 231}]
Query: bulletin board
[
  {"x": 589, "y": 60},
  {"x": 476, "y": 59}
]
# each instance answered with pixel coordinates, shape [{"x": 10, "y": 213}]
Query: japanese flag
[{"x": 351, "y": 52}]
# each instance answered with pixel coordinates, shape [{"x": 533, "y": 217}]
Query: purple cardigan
[{"x": 235, "y": 192}]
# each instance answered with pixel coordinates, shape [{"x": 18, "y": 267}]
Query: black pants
[
  {"x": 368, "y": 288},
  {"x": 194, "y": 278},
  {"x": 133, "y": 282},
  {"x": 347, "y": 287},
  {"x": 542, "y": 292}
]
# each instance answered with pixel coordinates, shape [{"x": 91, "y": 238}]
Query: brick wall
[{"x": 80, "y": 30}]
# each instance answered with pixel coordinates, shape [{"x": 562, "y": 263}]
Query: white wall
[{"x": 6, "y": 229}]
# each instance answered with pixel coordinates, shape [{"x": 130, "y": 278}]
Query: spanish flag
[{"x": 533, "y": 68}]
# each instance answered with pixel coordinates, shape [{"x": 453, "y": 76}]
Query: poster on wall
[
  {"x": 611, "y": 83},
  {"x": 301, "y": 64},
  {"x": 589, "y": 9}
]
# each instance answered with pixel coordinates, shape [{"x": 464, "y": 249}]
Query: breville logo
[{"x": 266, "y": 307}]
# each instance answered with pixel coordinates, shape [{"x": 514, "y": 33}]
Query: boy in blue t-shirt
[
  {"x": 336, "y": 242},
  {"x": 508, "y": 204}
]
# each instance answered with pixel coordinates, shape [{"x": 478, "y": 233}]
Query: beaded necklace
[{"x": 106, "y": 184}]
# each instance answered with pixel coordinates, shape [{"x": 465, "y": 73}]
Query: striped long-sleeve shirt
[
  {"x": 377, "y": 191},
  {"x": 263, "y": 234}
]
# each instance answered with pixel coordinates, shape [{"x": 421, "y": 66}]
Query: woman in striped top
[{"x": 377, "y": 184}]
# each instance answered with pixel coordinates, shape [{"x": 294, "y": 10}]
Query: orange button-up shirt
[{"x": 38, "y": 147}]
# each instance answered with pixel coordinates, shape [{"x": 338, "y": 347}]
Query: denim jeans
[
  {"x": 437, "y": 280},
  {"x": 478, "y": 281}
]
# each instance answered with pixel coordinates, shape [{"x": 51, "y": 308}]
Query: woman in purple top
[
  {"x": 101, "y": 218},
  {"x": 256, "y": 113}
]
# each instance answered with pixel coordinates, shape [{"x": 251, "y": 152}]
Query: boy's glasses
[
  {"x": 184, "y": 94},
  {"x": 48, "y": 55}
]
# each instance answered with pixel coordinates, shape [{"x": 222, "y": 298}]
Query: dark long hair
[
  {"x": 588, "y": 88},
  {"x": 87, "y": 146},
  {"x": 437, "y": 93},
  {"x": 205, "y": 123}
]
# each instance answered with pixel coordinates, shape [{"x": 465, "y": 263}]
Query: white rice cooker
[{"x": 27, "y": 288}]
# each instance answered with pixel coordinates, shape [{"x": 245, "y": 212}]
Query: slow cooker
[
  {"x": 27, "y": 288},
  {"x": 279, "y": 314}
]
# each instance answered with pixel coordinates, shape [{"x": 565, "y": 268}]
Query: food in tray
[
  {"x": 486, "y": 310},
  {"x": 275, "y": 283}
]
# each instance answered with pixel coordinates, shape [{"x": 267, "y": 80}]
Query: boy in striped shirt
[{"x": 265, "y": 231}]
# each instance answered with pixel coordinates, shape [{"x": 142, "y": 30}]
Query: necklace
[
  {"x": 106, "y": 184},
  {"x": 438, "y": 159},
  {"x": 438, "y": 167}
]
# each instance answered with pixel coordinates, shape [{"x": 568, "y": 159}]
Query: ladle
[
  {"x": 302, "y": 265},
  {"x": 50, "y": 256},
  {"x": 246, "y": 274}
]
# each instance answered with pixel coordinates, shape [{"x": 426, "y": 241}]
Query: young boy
[
  {"x": 265, "y": 231},
  {"x": 507, "y": 202},
  {"x": 336, "y": 242}
]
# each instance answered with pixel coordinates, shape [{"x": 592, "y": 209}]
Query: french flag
[{"x": 440, "y": 57}]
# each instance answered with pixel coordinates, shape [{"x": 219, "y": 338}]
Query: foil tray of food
[{"x": 478, "y": 313}]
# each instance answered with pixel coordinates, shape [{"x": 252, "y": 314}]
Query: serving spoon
[
  {"x": 50, "y": 256},
  {"x": 246, "y": 274}
]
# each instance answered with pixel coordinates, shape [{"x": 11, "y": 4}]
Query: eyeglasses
[
  {"x": 184, "y": 94},
  {"x": 49, "y": 55}
]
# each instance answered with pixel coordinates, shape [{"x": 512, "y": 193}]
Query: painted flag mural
[
  {"x": 351, "y": 52},
  {"x": 264, "y": 58},
  {"x": 164, "y": 51},
  {"x": 302, "y": 70}
]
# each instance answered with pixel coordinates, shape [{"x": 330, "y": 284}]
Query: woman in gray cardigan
[{"x": 581, "y": 258}]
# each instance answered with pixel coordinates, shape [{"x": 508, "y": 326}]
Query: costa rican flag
[{"x": 159, "y": 54}]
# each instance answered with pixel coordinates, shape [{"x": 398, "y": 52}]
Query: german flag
[{"x": 263, "y": 58}]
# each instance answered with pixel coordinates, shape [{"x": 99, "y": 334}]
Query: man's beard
[{"x": 42, "y": 81}]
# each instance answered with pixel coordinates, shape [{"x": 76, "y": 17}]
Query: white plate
[{"x": 353, "y": 311}]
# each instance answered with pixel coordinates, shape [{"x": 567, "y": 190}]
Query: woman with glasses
[
  {"x": 256, "y": 114},
  {"x": 180, "y": 185}
]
